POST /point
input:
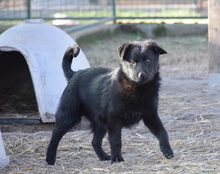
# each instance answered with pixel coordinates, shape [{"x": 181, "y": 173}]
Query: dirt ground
[{"x": 190, "y": 114}]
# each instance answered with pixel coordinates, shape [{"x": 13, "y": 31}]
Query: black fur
[{"x": 112, "y": 99}]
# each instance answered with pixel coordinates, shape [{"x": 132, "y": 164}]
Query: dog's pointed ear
[
  {"x": 123, "y": 49},
  {"x": 159, "y": 50}
]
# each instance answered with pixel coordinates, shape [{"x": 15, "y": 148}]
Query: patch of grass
[
  {"x": 88, "y": 13},
  {"x": 162, "y": 13},
  {"x": 159, "y": 30},
  {"x": 133, "y": 13},
  {"x": 124, "y": 32}
]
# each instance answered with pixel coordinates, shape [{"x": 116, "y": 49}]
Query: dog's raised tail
[{"x": 71, "y": 52}]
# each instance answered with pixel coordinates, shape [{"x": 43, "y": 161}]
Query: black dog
[{"x": 112, "y": 99}]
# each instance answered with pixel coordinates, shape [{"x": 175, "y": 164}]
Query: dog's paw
[
  {"x": 50, "y": 160},
  {"x": 168, "y": 153},
  {"x": 105, "y": 158},
  {"x": 117, "y": 159}
]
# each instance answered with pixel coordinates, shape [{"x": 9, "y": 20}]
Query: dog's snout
[{"x": 142, "y": 75}]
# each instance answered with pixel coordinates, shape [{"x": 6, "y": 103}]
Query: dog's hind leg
[
  {"x": 99, "y": 133},
  {"x": 65, "y": 120}
]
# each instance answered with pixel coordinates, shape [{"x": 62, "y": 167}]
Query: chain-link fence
[{"x": 74, "y": 12}]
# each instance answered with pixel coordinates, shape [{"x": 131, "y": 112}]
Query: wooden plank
[
  {"x": 214, "y": 36},
  {"x": 214, "y": 46}
]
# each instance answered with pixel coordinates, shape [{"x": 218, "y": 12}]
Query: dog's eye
[
  {"x": 147, "y": 61},
  {"x": 132, "y": 62}
]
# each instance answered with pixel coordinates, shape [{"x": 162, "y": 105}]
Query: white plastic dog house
[
  {"x": 4, "y": 159},
  {"x": 42, "y": 46}
]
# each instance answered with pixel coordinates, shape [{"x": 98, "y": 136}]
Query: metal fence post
[
  {"x": 114, "y": 11},
  {"x": 28, "y": 3}
]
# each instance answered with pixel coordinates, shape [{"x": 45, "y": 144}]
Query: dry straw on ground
[{"x": 189, "y": 113}]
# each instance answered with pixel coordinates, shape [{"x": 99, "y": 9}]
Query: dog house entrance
[{"x": 17, "y": 95}]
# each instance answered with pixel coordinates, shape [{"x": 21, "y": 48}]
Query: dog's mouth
[
  {"x": 142, "y": 81},
  {"x": 138, "y": 81}
]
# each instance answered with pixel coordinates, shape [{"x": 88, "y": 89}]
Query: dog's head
[{"x": 140, "y": 60}]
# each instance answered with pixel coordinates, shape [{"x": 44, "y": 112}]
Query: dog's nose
[{"x": 142, "y": 75}]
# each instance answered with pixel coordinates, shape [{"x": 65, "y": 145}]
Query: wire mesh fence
[{"x": 74, "y": 12}]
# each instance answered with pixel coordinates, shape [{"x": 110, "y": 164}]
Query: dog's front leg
[
  {"x": 154, "y": 124},
  {"x": 114, "y": 131}
]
